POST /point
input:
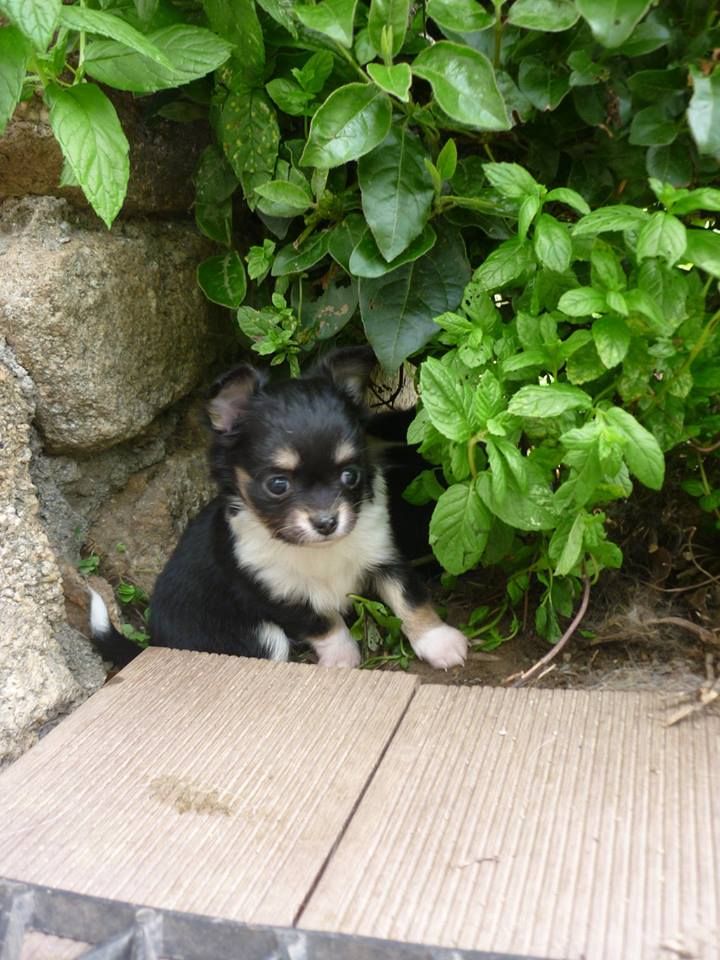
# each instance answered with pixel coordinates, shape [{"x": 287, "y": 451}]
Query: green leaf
[
  {"x": 398, "y": 309},
  {"x": 344, "y": 237},
  {"x": 107, "y": 25},
  {"x": 93, "y": 143},
  {"x": 605, "y": 219},
  {"x": 550, "y": 16},
  {"x": 332, "y": 310},
  {"x": 36, "y": 19},
  {"x": 569, "y": 197},
  {"x": 672, "y": 163},
  {"x": 606, "y": 270},
  {"x": 511, "y": 180},
  {"x": 612, "y": 339},
  {"x": 13, "y": 58},
  {"x": 581, "y": 302},
  {"x": 290, "y": 97},
  {"x": 367, "y": 261},
  {"x": 293, "y": 260},
  {"x": 541, "y": 84},
  {"x": 662, "y": 236},
  {"x": 353, "y": 121},
  {"x": 192, "y": 51},
  {"x": 703, "y": 249},
  {"x": 286, "y": 199},
  {"x": 394, "y": 80},
  {"x": 259, "y": 260},
  {"x": 531, "y": 509},
  {"x": 654, "y": 85},
  {"x": 391, "y": 14},
  {"x": 652, "y": 127},
  {"x": 584, "y": 365},
  {"x": 238, "y": 23},
  {"x": 552, "y": 244},
  {"x": 459, "y": 16},
  {"x": 641, "y": 450},
  {"x": 506, "y": 263},
  {"x": 687, "y": 201},
  {"x": 459, "y": 527},
  {"x": 214, "y": 177},
  {"x": 331, "y": 18},
  {"x": 215, "y": 220},
  {"x": 612, "y": 21},
  {"x": 222, "y": 279},
  {"x": 446, "y": 162},
  {"x": 313, "y": 75},
  {"x": 572, "y": 545},
  {"x": 703, "y": 113},
  {"x": 526, "y": 214},
  {"x": 397, "y": 191},
  {"x": 249, "y": 133},
  {"x": 549, "y": 400},
  {"x": 464, "y": 85},
  {"x": 447, "y": 400}
]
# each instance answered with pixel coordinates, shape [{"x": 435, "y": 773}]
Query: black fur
[{"x": 203, "y": 599}]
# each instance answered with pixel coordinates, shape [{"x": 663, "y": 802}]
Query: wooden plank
[
  {"x": 556, "y": 823},
  {"x": 195, "y": 782}
]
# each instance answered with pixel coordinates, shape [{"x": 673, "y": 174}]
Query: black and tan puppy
[{"x": 300, "y": 522}]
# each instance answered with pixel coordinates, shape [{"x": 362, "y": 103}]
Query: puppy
[{"x": 301, "y": 520}]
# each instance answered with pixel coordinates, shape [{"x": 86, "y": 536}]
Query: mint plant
[{"x": 543, "y": 407}]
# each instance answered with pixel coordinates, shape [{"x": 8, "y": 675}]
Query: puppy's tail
[{"x": 109, "y": 642}]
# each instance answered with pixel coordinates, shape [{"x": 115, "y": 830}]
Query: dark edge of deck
[{"x": 171, "y": 934}]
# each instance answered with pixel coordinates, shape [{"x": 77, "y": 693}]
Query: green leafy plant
[
  {"x": 543, "y": 408},
  {"x": 58, "y": 49},
  {"x": 355, "y": 132},
  {"x": 89, "y": 564},
  {"x": 379, "y": 634}
]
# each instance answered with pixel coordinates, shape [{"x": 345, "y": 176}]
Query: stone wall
[{"x": 105, "y": 339}]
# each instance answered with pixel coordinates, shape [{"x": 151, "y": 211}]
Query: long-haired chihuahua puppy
[{"x": 300, "y": 522}]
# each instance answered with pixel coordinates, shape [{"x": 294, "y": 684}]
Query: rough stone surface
[
  {"x": 149, "y": 514},
  {"x": 38, "y": 651},
  {"x": 111, "y": 326},
  {"x": 72, "y": 489},
  {"x": 163, "y": 157}
]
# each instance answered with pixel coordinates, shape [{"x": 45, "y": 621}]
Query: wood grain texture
[
  {"x": 195, "y": 782},
  {"x": 568, "y": 824}
]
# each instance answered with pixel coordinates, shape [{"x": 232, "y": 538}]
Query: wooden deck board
[
  {"x": 215, "y": 785},
  {"x": 567, "y": 824}
]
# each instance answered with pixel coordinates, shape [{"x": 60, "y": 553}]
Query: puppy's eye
[
  {"x": 350, "y": 477},
  {"x": 277, "y": 486}
]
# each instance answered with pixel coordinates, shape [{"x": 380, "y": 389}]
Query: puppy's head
[{"x": 294, "y": 452}]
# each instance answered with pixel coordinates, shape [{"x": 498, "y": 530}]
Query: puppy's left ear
[
  {"x": 349, "y": 368},
  {"x": 230, "y": 395}
]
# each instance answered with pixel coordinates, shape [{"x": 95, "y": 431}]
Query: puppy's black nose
[{"x": 325, "y": 523}]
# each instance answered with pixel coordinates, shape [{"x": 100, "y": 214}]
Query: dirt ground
[{"x": 654, "y": 625}]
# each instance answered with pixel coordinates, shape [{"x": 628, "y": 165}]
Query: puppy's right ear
[{"x": 230, "y": 395}]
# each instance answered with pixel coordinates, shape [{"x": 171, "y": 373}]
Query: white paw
[
  {"x": 441, "y": 647},
  {"x": 337, "y": 649}
]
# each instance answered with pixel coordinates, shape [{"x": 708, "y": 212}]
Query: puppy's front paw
[
  {"x": 337, "y": 649},
  {"x": 442, "y": 647}
]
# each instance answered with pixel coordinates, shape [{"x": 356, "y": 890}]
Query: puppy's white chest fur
[{"x": 321, "y": 575}]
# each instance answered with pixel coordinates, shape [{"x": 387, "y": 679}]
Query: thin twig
[{"x": 551, "y": 654}]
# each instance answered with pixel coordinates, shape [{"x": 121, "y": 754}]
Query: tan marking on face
[
  {"x": 345, "y": 451},
  {"x": 286, "y": 459},
  {"x": 243, "y": 481}
]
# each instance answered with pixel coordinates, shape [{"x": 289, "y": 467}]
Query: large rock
[
  {"x": 110, "y": 325},
  {"x": 163, "y": 157},
  {"x": 147, "y": 517},
  {"x": 39, "y": 651}
]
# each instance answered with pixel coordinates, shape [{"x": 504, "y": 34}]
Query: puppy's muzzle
[{"x": 324, "y": 523}]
